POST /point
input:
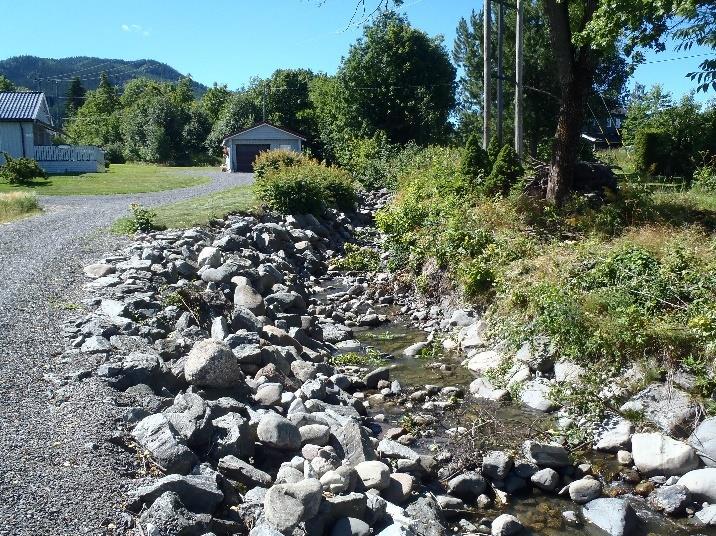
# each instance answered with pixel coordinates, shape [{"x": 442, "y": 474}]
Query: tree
[
  {"x": 398, "y": 80},
  {"x": 75, "y": 97},
  {"x": 702, "y": 32},
  {"x": 6, "y": 84},
  {"x": 214, "y": 101},
  {"x": 97, "y": 121},
  {"x": 240, "y": 112}
]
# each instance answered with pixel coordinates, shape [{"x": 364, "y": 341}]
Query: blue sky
[{"x": 228, "y": 41}]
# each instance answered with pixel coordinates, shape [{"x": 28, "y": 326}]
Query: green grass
[
  {"x": 119, "y": 179},
  {"x": 17, "y": 205},
  {"x": 198, "y": 211}
]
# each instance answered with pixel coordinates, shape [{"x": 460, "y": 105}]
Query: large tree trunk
[{"x": 575, "y": 70}]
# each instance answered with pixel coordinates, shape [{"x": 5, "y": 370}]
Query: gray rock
[
  {"x": 426, "y": 517},
  {"x": 209, "y": 256},
  {"x": 373, "y": 377},
  {"x": 352, "y": 443},
  {"x": 278, "y": 432},
  {"x": 615, "y": 517},
  {"x": 240, "y": 471},
  {"x": 190, "y": 416},
  {"x": 704, "y": 441},
  {"x": 287, "y": 505},
  {"x": 246, "y": 296},
  {"x": 373, "y": 474},
  {"x": 242, "y": 318},
  {"x": 95, "y": 345},
  {"x": 315, "y": 434},
  {"x": 701, "y": 483},
  {"x": 350, "y": 526},
  {"x": 584, "y": 490},
  {"x": 467, "y": 486},
  {"x": 505, "y": 525},
  {"x": 671, "y": 500},
  {"x": 535, "y": 395},
  {"x": 400, "y": 486},
  {"x": 396, "y": 530},
  {"x": 211, "y": 363},
  {"x": 167, "y": 516},
  {"x": 537, "y": 354},
  {"x": 393, "y": 449},
  {"x": 414, "y": 349},
  {"x": 167, "y": 448},
  {"x": 233, "y": 436},
  {"x": 335, "y": 333},
  {"x": 567, "y": 371},
  {"x": 617, "y": 436},
  {"x": 657, "y": 454},
  {"x": 269, "y": 394},
  {"x": 483, "y": 388},
  {"x": 546, "y": 454},
  {"x": 113, "y": 307},
  {"x": 546, "y": 479},
  {"x": 707, "y": 515},
  {"x": 671, "y": 409},
  {"x": 222, "y": 274},
  {"x": 219, "y": 328},
  {"x": 95, "y": 271},
  {"x": 199, "y": 493},
  {"x": 496, "y": 464},
  {"x": 286, "y": 302}
]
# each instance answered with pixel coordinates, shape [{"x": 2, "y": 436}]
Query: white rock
[
  {"x": 701, "y": 483},
  {"x": 484, "y": 361},
  {"x": 657, "y": 454}
]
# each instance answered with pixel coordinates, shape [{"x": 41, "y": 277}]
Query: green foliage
[
  {"x": 506, "y": 172},
  {"x": 6, "y": 84},
  {"x": 370, "y": 359},
  {"x": 358, "y": 258},
  {"x": 652, "y": 152},
  {"x": 17, "y": 204},
  {"x": 493, "y": 151},
  {"x": 475, "y": 162},
  {"x": 271, "y": 161},
  {"x": 20, "y": 170},
  {"x": 705, "y": 178},
  {"x": 141, "y": 220},
  {"x": 74, "y": 97},
  {"x": 307, "y": 188}
]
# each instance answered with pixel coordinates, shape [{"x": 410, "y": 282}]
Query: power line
[{"x": 679, "y": 58}]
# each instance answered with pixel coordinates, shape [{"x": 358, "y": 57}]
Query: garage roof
[
  {"x": 266, "y": 123},
  {"x": 21, "y": 105}
]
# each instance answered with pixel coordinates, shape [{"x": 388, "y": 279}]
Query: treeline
[{"x": 395, "y": 86}]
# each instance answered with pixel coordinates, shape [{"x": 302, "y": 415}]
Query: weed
[
  {"x": 371, "y": 359},
  {"x": 357, "y": 258}
]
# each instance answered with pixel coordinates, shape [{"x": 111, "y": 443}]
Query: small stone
[
  {"x": 373, "y": 474},
  {"x": 287, "y": 505},
  {"x": 211, "y": 363},
  {"x": 505, "y": 525},
  {"x": 624, "y": 457},
  {"x": 546, "y": 479},
  {"x": 584, "y": 490},
  {"x": 278, "y": 432}
]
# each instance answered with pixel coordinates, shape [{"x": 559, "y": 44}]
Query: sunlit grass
[{"x": 17, "y": 205}]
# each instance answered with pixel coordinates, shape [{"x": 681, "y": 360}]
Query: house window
[{"x": 285, "y": 147}]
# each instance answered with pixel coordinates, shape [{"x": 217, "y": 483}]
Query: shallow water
[{"x": 540, "y": 513}]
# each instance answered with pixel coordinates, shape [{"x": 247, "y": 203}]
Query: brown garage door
[{"x": 246, "y": 154}]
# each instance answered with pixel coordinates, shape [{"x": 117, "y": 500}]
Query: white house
[
  {"x": 26, "y": 130},
  {"x": 242, "y": 147}
]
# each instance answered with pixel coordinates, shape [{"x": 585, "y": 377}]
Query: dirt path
[{"x": 58, "y": 473}]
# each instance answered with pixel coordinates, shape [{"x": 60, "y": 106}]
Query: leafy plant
[
  {"x": 20, "y": 170},
  {"x": 475, "y": 163},
  {"x": 268, "y": 161},
  {"x": 371, "y": 358},
  {"x": 140, "y": 221},
  {"x": 506, "y": 172},
  {"x": 359, "y": 258}
]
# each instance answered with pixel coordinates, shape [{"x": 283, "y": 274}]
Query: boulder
[
  {"x": 373, "y": 474},
  {"x": 393, "y": 449},
  {"x": 546, "y": 479},
  {"x": 617, "y": 436},
  {"x": 672, "y": 500},
  {"x": 168, "y": 516},
  {"x": 505, "y": 525},
  {"x": 242, "y": 318},
  {"x": 567, "y": 371},
  {"x": 200, "y": 493},
  {"x": 167, "y": 448},
  {"x": 414, "y": 349},
  {"x": 278, "y": 432},
  {"x": 701, "y": 483},
  {"x": 95, "y": 271},
  {"x": 352, "y": 443},
  {"x": 232, "y": 436},
  {"x": 209, "y": 256},
  {"x": 467, "y": 486},
  {"x": 496, "y": 464},
  {"x": 615, "y": 517},
  {"x": 703, "y": 439},
  {"x": 472, "y": 336},
  {"x": 399, "y": 488},
  {"x": 425, "y": 516},
  {"x": 671, "y": 409},
  {"x": 373, "y": 377},
  {"x": 481, "y": 362},
  {"x": 350, "y": 526},
  {"x": 246, "y": 296},
  {"x": 211, "y": 363},
  {"x": 657, "y": 454},
  {"x": 546, "y": 454},
  {"x": 584, "y": 490},
  {"x": 707, "y": 515},
  {"x": 537, "y": 354},
  {"x": 483, "y": 388},
  {"x": 245, "y": 473},
  {"x": 315, "y": 434},
  {"x": 535, "y": 395},
  {"x": 287, "y": 505}
]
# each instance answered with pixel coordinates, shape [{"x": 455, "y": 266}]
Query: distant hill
[{"x": 53, "y": 76}]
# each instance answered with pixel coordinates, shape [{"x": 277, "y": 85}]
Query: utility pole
[
  {"x": 263, "y": 103},
  {"x": 519, "y": 64},
  {"x": 57, "y": 104},
  {"x": 500, "y": 69},
  {"x": 486, "y": 74}
]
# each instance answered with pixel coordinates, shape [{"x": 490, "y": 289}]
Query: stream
[{"x": 510, "y": 423}]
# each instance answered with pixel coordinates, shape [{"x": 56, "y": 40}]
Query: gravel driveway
[{"x": 58, "y": 473}]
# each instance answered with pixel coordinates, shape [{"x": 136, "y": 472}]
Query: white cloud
[{"x": 135, "y": 28}]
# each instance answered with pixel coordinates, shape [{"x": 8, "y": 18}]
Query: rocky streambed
[{"x": 267, "y": 394}]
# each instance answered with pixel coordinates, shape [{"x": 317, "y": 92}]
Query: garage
[{"x": 241, "y": 148}]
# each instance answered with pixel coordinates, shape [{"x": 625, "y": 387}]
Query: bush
[
  {"x": 268, "y": 161},
  {"x": 141, "y": 221},
  {"x": 20, "y": 170},
  {"x": 705, "y": 179},
  {"x": 358, "y": 258},
  {"x": 306, "y": 188},
  {"x": 493, "y": 151},
  {"x": 475, "y": 163},
  {"x": 652, "y": 152},
  {"x": 113, "y": 154},
  {"x": 506, "y": 172}
]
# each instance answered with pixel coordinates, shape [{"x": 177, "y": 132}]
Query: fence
[{"x": 70, "y": 158}]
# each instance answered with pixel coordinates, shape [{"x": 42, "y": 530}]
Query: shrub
[
  {"x": 141, "y": 220},
  {"x": 705, "y": 178},
  {"x": 493, "y": 151},
  {"x": 20, "y": 170},
  {"x": 306, "y": 188},
  {"x": 363, "y": 259},
  {"x": 268, "y": 161},
  {"x": 652, "y": 152},
  {"x": 475, "y": 164},
  {"x": 506, "y": 172}
]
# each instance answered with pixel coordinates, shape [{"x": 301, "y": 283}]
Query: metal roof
[
  {"x": 266, "y": 123},
  {"x": 20, "y": 105}
]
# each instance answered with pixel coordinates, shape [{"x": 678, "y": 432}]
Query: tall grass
[{"x": 17, "y": 204}]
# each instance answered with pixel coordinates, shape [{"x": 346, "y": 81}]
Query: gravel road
[{"x": 58, "y": 473}]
